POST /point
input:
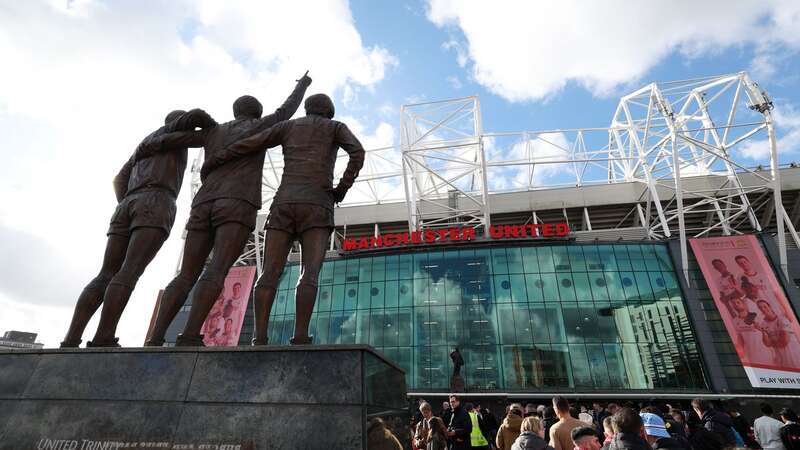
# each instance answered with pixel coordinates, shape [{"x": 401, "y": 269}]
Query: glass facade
[{"x": 573, "y": 317}]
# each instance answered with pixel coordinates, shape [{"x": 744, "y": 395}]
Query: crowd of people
[{"x": 463, "y": 425}]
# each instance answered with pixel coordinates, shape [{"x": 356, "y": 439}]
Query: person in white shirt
[{"x": 767, "y": 430}]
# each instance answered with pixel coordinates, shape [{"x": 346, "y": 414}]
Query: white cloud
[
  {"x": 454, "y": 82},
  {"x": 787, "y": 120},
  {"x": 84, "y": 81},
  {"x": 531, "y": 50}
]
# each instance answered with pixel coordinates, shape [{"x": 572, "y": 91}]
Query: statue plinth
[
  {"x": 457, "y": 383},
  {"x": 248, "y": 397}
]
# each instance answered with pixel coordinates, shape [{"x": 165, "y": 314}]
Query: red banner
[
  {"x": 223, "y": 324},
  {"x": 754, "y": 308}
]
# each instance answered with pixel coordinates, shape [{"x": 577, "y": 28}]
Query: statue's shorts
[
  {"x": 152, "y": 208},
  {"x": 211, "y": 214},
  {"x": 296, "y": 218}
]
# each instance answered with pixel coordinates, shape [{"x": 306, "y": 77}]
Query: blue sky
[{"x": 85, "y": 80}]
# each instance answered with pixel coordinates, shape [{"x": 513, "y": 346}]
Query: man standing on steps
[
  {"x": 303, "y": 205},
  {"x": 146, "y": 189},
  {"x": 223, "y": 214}
]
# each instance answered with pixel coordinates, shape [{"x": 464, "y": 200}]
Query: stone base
[
  {"x": 307, "y": 397},
  {"x": 457, "y": 384}
]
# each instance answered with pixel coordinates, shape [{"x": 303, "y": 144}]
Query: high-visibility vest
[{"x": 476, "y": 437}]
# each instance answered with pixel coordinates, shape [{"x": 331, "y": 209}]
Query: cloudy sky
[{"x": 82, "y": 81}]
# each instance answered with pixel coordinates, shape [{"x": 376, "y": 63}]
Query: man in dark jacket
[
  {"x": 655, "y": 430},
  {"x": 460, "y": 427},
  {"x": 790, "y": 433},
  {"x": 223, "y": 213},
  {"x": 146, "y": 190},
  {"x": 302, "y": 208},
  {"x": 699, "y": 437},
  {"x": 715, "y": 421},
  {"x": 628, "y": 426}
]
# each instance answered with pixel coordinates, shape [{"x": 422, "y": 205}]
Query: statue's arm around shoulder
[
  {"x": 271, "y": 137},
  {"x": 178, "y": 134}
]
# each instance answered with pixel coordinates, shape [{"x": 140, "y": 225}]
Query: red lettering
[
  {"x": 349, "y": 244},
  {"x": 454, "y": 236},
  {"x": 467, "y": 234},
  {"x": 402, "y": 238},
  {"x": 376, "y": 241},
  {"x": 562, "y": 229},
  {"x": 496, "y": 232},
  {"x": 416, "y": 237},
  {"x": 442, "y": 234},
  {"x": 388, "y": 239},
  {"x": 363, "y": 243},
  {"x": 430, "y": 236},
  {"x": 510, "y": 231},
  {"x": 547, "y": 229}
]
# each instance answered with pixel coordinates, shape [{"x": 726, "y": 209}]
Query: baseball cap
[{"x": 654, "y": 425}]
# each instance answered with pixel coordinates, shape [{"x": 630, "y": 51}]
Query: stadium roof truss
[{"x": 666, "y": 137}]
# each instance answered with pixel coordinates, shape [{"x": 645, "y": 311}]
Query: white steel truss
[{"x": 682, "y": 142}]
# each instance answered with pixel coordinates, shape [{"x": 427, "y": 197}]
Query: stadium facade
[{"x": 556, "y": 261}]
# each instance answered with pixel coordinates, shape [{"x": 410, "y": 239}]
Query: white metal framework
[{"x": 690, "y": 146}]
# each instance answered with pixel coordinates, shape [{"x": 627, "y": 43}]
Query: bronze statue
[
  {"x": 223, "y": 213},
  {"x": 458, "y": 361},
  {"x": 303, "y": 205},
  {"x": 146, "y": 189}
]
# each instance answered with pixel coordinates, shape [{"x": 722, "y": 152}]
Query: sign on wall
[
  {"x": 754, "y": 308},
  {"x": 457, "y": 234}
]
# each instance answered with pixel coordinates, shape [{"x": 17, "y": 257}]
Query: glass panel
[
  {"x": 499, "y": 261},
  {"x": 606, "y": 316},
  {"x": 515, "y": 264},
  {"x": 529, "y": 259},
  {"x": 583, "y": 293},
  {"x": 377, "y": 295},
  {"x": 502, "y": 289},
  {"x": 545, "y": 255}
]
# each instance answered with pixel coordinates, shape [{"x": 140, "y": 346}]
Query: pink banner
[
  {"x": 224, "y": 322},
  {"x": 755, "y": 310}
]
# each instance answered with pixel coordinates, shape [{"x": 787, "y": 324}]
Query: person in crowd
[
  {"x": 742, "y": 426},
  {"x": 540, "y": 411},
  {"x": 489, "y": 420},
  {"x": 510, "y": 428},
  {"x": 418, "y": 412},
  {"x": 600, "y": 415},
  {"x": 531, "y": 435},
  {"x": 585, "y": 438},
  {"x": 478, "y": 437},
  {"x": 699, "y": 437},
  {"x": 679, "y": 420},
  {"x": 561, "y": 432},
  {"x": 548, "y": 420},
  {"x": 530, "y": 410},
  {"x": 656, "y": 434},
  {"x": 437, "y": 435},
  {"x": 768, "y": 430},
  {"x": 715, "y": 421},
  {"x": 460, "y": 427},
  {"x": 379, "y": 437},
  {"x": 423, "y": 426},
  {"x": 627, "y": 426},
  {"x": 612, "y": 408},
  {"x": 446, "y": 414},
  {"x": 585, "y": 417},
  {"x": 608, "y": 432},
  {"x": 790, "y": 432}
]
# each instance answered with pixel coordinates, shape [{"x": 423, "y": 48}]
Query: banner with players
[
  {"x": 754, "y": 308},
  {"x": 224, "y": 322}
]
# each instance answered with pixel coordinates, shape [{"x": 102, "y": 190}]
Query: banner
[
  {"x": 755, "y": 310},
  {"x": 224, "y": 322}
]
